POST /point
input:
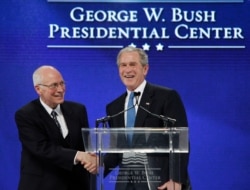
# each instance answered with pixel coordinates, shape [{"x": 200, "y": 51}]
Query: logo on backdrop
[{"x": 152, "y": 28}]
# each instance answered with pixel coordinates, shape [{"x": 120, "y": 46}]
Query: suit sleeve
[
  {"x": 112, "y": 160},
  {"x": 41, "y": 143},
  {"x": 176, "y": 110},
  {"x": 167, "y": 102}
]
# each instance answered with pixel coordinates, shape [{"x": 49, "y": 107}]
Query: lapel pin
[{"x": 147, "y": 103}]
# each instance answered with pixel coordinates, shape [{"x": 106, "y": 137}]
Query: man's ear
[
  {"x": 146, "y": 68},
  {"x": 37, "y": 89}
]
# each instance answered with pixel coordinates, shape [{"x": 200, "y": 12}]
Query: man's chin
[
  {"x": 130, "y": 87},
  {"x": 60, "y": 101}
]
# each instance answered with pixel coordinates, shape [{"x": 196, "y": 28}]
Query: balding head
[
  {"x": 49, "y": 85},
  {"x": 39, "y": 75}
]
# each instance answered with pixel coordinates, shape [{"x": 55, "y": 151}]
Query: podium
[{"x": 141, "y": 163}]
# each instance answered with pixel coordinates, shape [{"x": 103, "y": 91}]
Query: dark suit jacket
[
  {"x": 47, "y": 158},
  {"x": 161, "y": 101}
]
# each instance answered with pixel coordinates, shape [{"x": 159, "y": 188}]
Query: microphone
[
  {"x": 107, "y": 118},
  {"x": 162, "y": 117},
  {"x": 103, "y": 119}
]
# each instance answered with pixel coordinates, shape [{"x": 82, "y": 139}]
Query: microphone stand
[
  {"x": 102, "y": 120},
  {"x": 105, "y": 119},
  {"x": 166, "y": 120},
  {"x": 162, "y": 117}
]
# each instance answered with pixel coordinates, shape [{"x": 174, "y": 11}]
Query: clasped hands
[
  {"x": 90, "y": 161},
  {"x": 170, "y": 185}
]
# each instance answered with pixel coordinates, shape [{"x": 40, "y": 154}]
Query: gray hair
[
  {"x": 38, "y": 75},
  {"x": 141, "y": 52}
]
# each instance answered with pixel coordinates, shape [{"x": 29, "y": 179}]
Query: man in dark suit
[
  {"x": 53, "y": 154},
  {"x": 133, "y": 68}
]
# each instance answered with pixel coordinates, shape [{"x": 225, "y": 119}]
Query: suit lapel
[
  {"x": 120, "y": 106},
  {"x": 146, "y": 103},
  {"x": 67, "y": 111},
  {"x": 49, "y": 123}
]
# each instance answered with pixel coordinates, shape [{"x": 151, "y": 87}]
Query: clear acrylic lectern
[{"x": 141, "y": 161}]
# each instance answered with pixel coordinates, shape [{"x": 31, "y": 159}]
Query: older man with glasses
[{"x": 53, "y": 154}]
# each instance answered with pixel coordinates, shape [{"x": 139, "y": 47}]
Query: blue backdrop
[{"x": 212, "y": 78}]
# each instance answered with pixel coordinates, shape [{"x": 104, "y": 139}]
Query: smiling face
[
  {"x": 131, "y": 71},
  {"x": 50, "y": 86}
]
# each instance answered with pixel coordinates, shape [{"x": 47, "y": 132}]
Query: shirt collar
[
  {"x": 140, "y": 88},
  {"x": 49, "y": 109}
]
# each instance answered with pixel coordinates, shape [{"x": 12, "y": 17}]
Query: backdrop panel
[{"x": 203, "y": 55}]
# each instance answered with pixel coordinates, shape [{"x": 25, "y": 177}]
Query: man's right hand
[{"x": 90, "y": 161}]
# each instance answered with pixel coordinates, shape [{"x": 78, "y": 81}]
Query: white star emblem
[
  {"x": 146, "y": 47},
  {"x": 132, "y": 45},
  {"x": 159, "y": 47}
]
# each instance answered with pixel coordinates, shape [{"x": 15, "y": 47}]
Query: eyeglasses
[{"x": 54, "y": 85}]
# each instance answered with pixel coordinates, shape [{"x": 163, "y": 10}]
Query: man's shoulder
[
  {"x": 158, "y": 90},
  {"x": 158, "y": 87},
  {"x": 69, "y": 102},
  {"x": 30, "y": 106},
  {"x": 118, "y": 100},
  {"x": 72, "y": 103},
  {"x": 31, "y": 109}
]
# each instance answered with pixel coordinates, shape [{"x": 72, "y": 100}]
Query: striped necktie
[
  {"x": 130, "y": 116},
  {"x": 54, "y": 116}
]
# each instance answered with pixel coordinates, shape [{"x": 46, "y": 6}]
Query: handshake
[{"x": 90, "y": 161}]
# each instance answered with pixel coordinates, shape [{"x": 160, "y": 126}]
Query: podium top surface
[
  {"x": 136, "y": 129},
  {"x": 145, "y": 140}
]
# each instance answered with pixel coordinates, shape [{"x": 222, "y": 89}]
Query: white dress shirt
[{"x": 60, "y": 118}]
